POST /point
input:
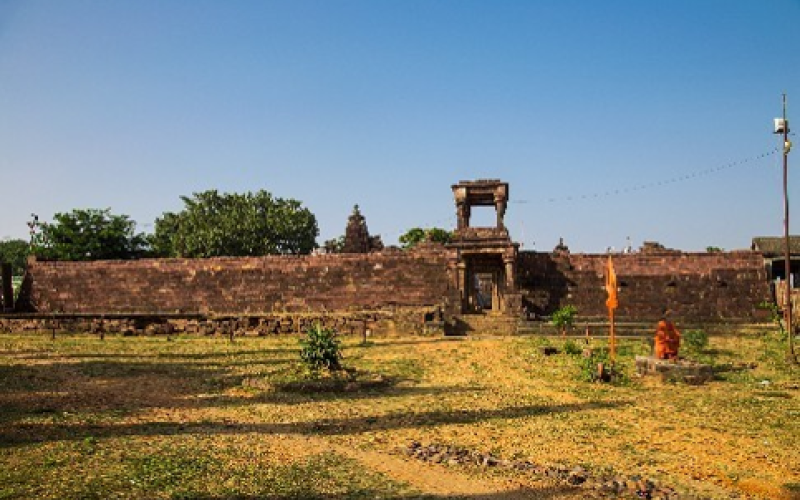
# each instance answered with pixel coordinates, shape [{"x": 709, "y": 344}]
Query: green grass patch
[{"x": 143, "y": 417}]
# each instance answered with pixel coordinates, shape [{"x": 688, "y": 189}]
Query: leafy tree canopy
[
  {"x": 15, "y": 252},
  {"x": 334, "y": 245},
  {"x": 416, "y": 235},
  {"x": 90, "y": 234},
  {"x": 214, "y": 224}
]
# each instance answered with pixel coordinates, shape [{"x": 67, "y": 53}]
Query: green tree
[
  {"x": 416, "y": 235},
  {"x": 90, "y": 234},
  {"x": 15, "y": 252},
  {"x": 564, "y": 317},
  {"x": 334, "y": 245},
  {"x": 214, "y": 224},
  {"x": 160, "y": 241}
]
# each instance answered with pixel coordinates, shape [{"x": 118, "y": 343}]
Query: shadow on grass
[
  {"x": 380, "y": 342},
  {"x": 302, "y": 396},
  {"x": 58, "y": 375},
  {"x": 733, "y": 367},
  {"x": 714, "y": 351},
  {"x": 23, "y": 433},
  {"x": 93, "y": 389},
  {"x": 33, "y": 355},
  {"x": 101, "y": 386}
]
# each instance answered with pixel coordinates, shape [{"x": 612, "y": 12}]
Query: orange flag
[{"x": 611, "y": 285}]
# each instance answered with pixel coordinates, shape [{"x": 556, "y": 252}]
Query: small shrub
[
  {"x": 589, "y": 364},
  {"x": 321, "y": 350},
  {"x": 564, "y": 318},
  {"x": 572, "y": 348},
  {"x": 695, "y": 340},
  {"x": 597, "y": 367},
  {"x": 774, "y": 315}
]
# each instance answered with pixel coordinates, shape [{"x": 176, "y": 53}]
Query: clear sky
[{"x": 613, "y": 119}]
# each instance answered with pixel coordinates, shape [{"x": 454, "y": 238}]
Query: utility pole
[{"x": 782, "y": 126}]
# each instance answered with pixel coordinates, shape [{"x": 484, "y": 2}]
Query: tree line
[{"x": 211, "y": 224}]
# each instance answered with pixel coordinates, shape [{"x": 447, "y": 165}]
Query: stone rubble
[{"x": 626, "y": 486}]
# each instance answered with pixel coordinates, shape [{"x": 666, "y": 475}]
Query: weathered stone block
[{"x": 675, "y": 370}]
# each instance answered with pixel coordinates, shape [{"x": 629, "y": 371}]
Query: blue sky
[{"x": 592, "y": 111}]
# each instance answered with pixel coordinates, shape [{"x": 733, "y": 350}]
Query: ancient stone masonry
[
  {"x": 699, "y": 287},
  {"x": 270, "y": 294},
  {"x": 389, "y": 322},
  {"x": 242, "y": 285},
  {"x": 486, "y": 256}
]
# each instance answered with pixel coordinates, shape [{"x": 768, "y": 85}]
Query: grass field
[{"x": 204, "y": 418}]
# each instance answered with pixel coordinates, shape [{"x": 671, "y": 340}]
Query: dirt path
[
  {"x": 430, "y": 479},
  {"x": 441, "y": 481}
]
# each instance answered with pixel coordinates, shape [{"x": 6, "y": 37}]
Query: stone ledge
[{"x": 679, "y": 370}]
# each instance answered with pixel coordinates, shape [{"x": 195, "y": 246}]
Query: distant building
[{"x": 773, "y": 248}]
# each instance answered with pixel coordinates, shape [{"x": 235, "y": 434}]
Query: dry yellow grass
[{"x": 204, "y": 418}]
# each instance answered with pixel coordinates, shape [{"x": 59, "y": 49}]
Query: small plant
[
  {"x": 321, "y": 350},
  {"x": 774, "y": 315},
  {"x": 564, "y": 318},
  {"x": 590, "y": 365},
  {"x": 597, "y": 367},
  {"x": 695, "y": 341},
  {"x": 89, "y": 445},
  {"x": 572, "y": 348}
]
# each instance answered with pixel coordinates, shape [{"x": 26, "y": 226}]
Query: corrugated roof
[{"x": 775, "y": 246}]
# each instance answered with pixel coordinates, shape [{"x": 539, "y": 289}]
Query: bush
[
  {"x": 774, "y": 315},
  {"x": 321, "y": 350},
  {"x": 597, "y": 367},
  {"x": 564, "y": 318},
  {"x": 695, "y": 341},
  {"x": 572, "y": 348}
]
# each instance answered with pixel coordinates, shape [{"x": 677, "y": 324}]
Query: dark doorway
[{"x": 486, "y": 278}]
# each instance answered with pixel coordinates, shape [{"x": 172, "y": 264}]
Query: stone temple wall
[
  {"x": 702, "y": 287},
  {"x": 389, "y": 291},
  {"x": 249, "y": 285}
]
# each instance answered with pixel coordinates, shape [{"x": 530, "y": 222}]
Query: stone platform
[{"x": 688, "y": 372}]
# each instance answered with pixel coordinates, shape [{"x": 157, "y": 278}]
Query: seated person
[{"x": 668, "y": 340}]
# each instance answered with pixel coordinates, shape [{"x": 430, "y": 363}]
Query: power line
[
  {"x": 659, "y": 183},
  {"x": 613, "y": 192}
]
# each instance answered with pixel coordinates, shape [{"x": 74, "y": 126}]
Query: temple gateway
[{"x": 486, "y": 256}]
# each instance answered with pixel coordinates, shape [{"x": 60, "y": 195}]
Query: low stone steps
[
  {"x": 485, "y": 324},
  {"x": 525, "y": 327},
  {"x": 489, "y": 324}
]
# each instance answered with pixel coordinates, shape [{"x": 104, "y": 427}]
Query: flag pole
[
  {"x": 612, "y": 303},
  {"x": 612, "y": 335}
]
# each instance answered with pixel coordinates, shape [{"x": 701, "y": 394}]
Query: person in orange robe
[{"x": 668, "y": 340}]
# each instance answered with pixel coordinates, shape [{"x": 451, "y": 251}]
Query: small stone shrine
[{"x": 356, "y": 235}]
